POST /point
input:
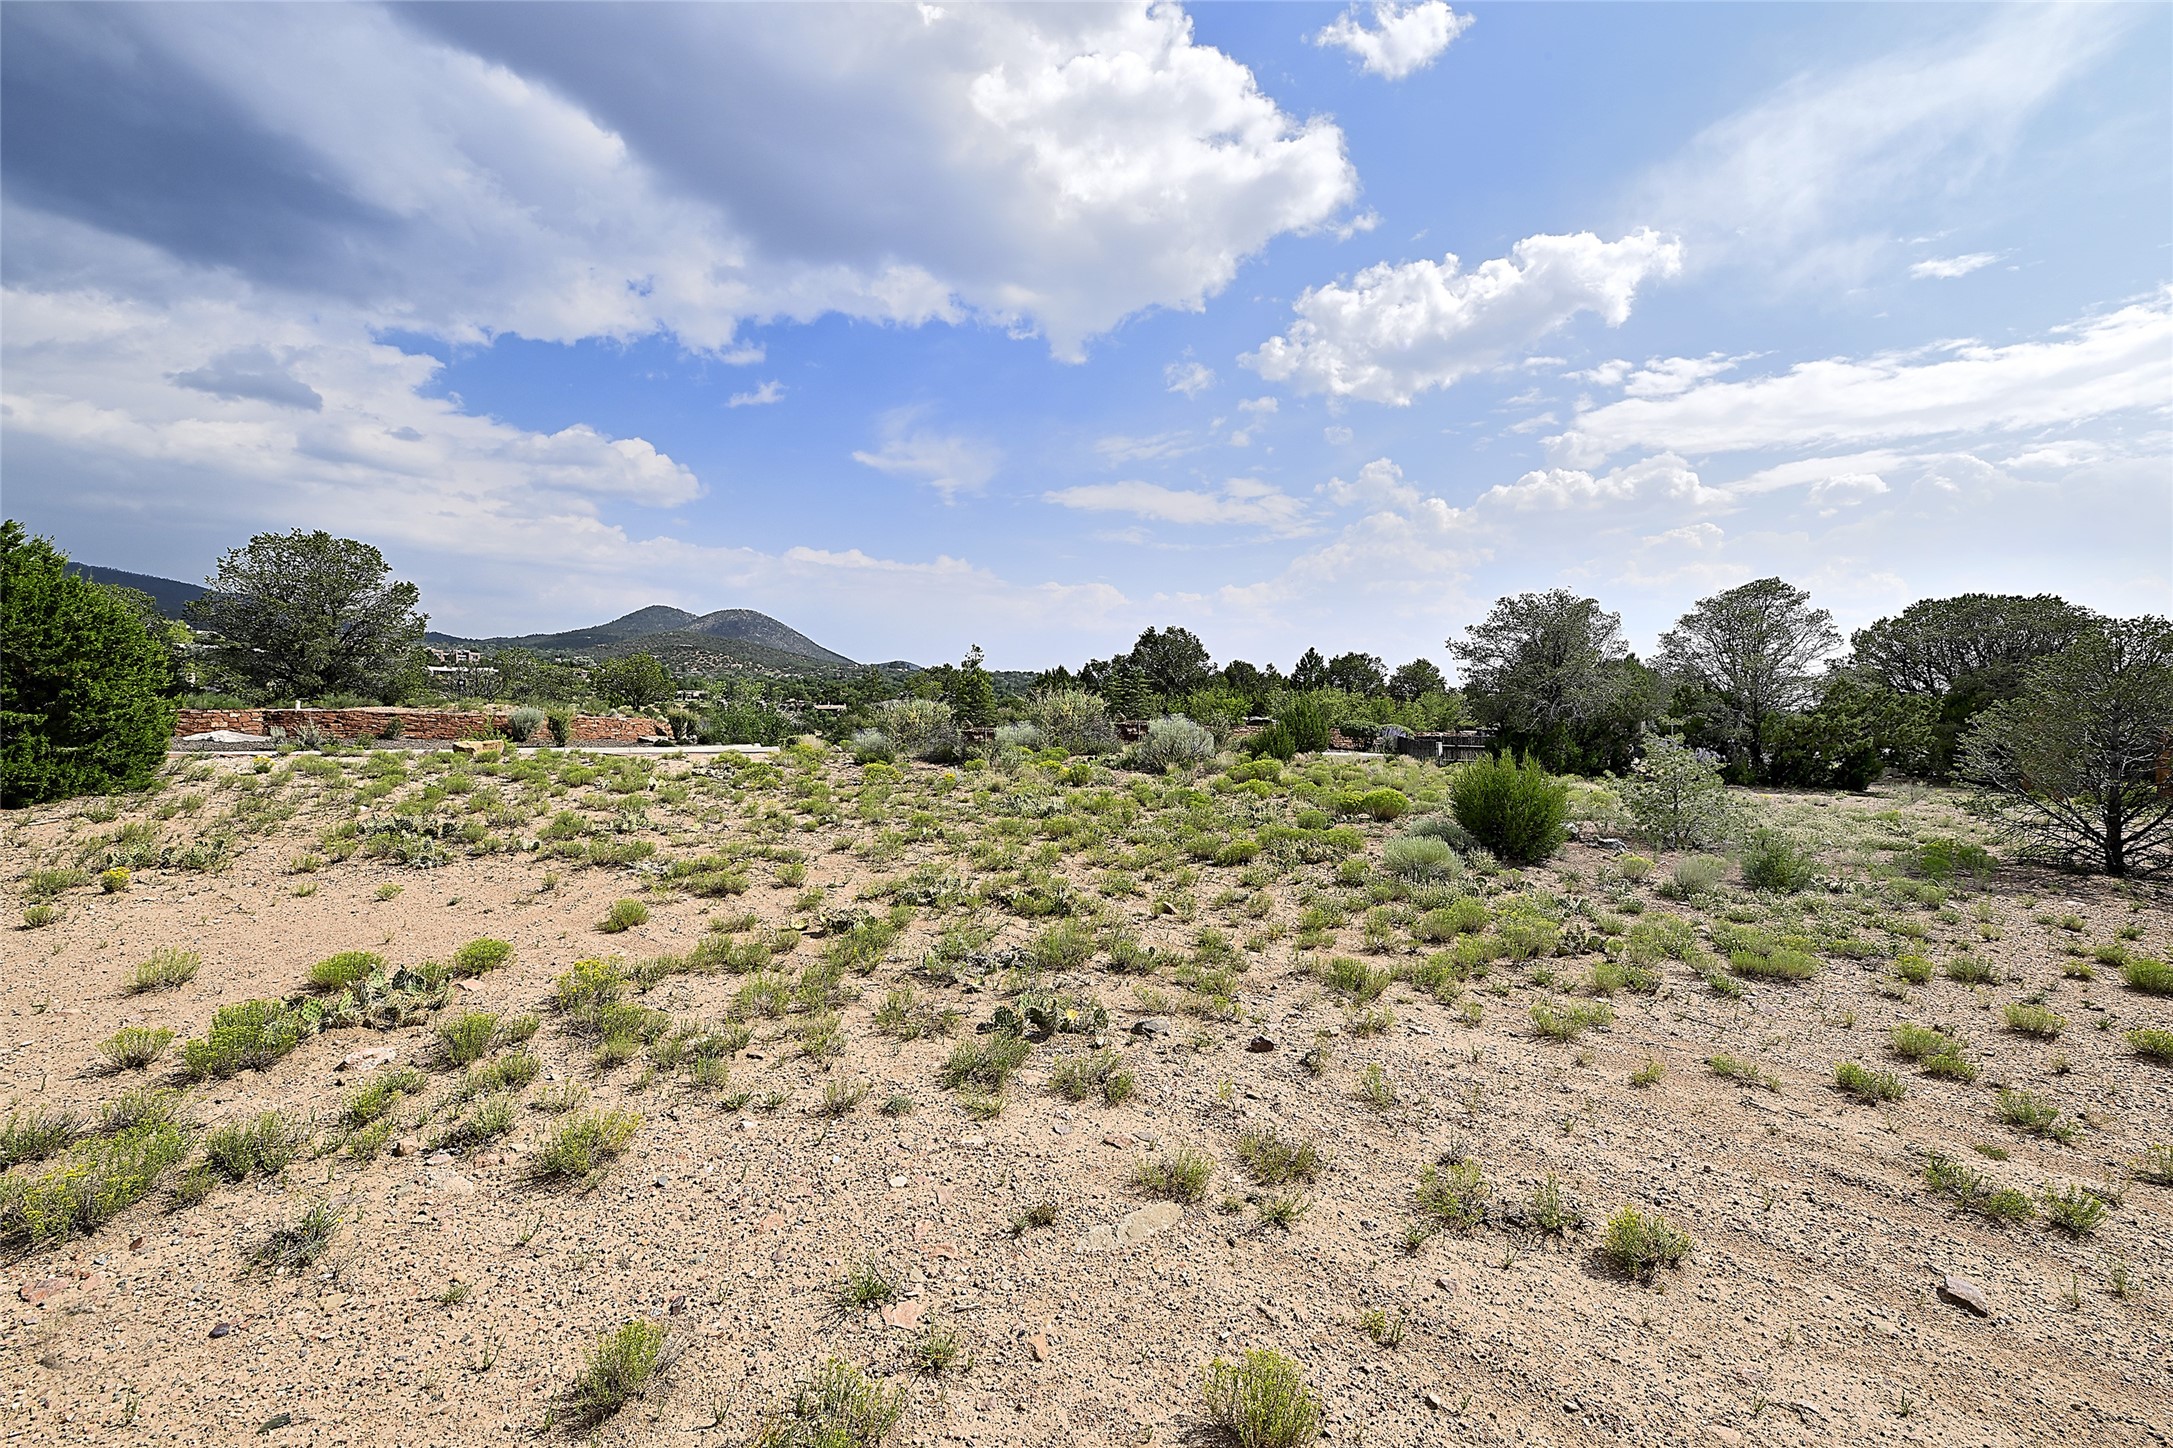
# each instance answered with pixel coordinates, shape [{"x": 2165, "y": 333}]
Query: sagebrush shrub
[
  {"x": 1516, "y": 810},
  {"x": 1173, "y": 740},
  {"x": 1774, "y": 861},
  {"x": 1639, "y": 1244}
]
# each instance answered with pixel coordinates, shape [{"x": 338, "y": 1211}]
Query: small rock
[
  {"x": 1148, "y": 1221},
  {"x": 678, "y": 1304},
  {"x": 1260, "y": 1045},
  {"x": 1037, "y": 1343},
  {"x": 906, "y": 1314},
  {"x": 1964, "y": 1293},
  {"x": 900, "y": 1181},
  {"x": 1121, "y": 1140},
  {"x": 1433, "y": 1401},
  {"x": 440, "y": 1158},
  {"x": 369, "y": 1058},
  {"x": 1151, "y": 1026},
  {"x": 221, "y": 1329},
  {"x": 1725, "y": 1436},
  {"x": 37, "y": 1294},
  {"x": 407, "y": 1146}
]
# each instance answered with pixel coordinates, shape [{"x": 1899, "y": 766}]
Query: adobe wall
[{"x": 436, "y": 725}]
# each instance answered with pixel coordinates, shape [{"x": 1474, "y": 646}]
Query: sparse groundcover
[
  {"x": 617, "y": 1369},
  {"x": 837, "y": 1406},
  {"x": 1640, "y": 1244}
]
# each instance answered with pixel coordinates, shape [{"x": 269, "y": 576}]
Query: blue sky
[{"x": 922, "y": 326}]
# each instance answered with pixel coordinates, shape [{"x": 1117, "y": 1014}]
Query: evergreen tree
[
  {"x": 82, "y": 681},
  {"x": 301, "y": 615},
  {"x": 973, "y": 697}
]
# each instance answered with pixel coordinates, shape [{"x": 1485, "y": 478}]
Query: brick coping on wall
[{"x": 427, "y": 724}]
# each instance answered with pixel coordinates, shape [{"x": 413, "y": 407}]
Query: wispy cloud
[
  {"x": 949, "y": 463},
  {"x": 1946, "y": 268},
  {"x": 762, "y": 396}
]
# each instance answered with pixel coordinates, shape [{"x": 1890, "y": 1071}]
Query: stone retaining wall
[{"x": 437, "y": 725}]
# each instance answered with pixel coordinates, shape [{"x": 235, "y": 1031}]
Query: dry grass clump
[
  {"x": 618, "y": 1367},
  {"x": 97, "y": 1179},
  {"x": 1272, "y": 1159},
  {"x": 166, "y": 969},
  {"x": 838, "y": 1406},
  {"x": 1180, "y": 1176},
  {"x": 1639, "y": 1244},
  {"x": 582, "y": 1144},
  {"x": 1261, "y": 1401},
  {"x": 1867, "y": 1084}
]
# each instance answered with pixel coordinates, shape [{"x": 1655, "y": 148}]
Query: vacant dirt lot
[{"x": 821, "y": 941}]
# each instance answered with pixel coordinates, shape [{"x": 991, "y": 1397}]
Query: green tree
[
  {"x": 1127, "y": 691},
  {"x": 1857, "y": 730},
  {"x": 2075, "y": 767},
  {"x": 1420, "y": 676},
  {"x": 632, "y": 681},
  {"x": 973, "y": 697},
  {"x": 301, "y": 615},
  {"x": 82, "y": 681},
  {"x": 1173, "y": 661},
  {"x": 1965, "y": 654},
  {"x": 1541, "y": 664},
  {"x": 1310, "y": 672},
  {"x": 1753, "y": 649},
  {"x": 1357, "y": 673}
]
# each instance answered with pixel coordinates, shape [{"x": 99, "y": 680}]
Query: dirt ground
[{"x": 459, "y": 1296}]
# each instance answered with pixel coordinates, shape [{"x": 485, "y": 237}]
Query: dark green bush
[
  {"x": 1308, "y": 722},
  {"x": 1515, "y": 810},
  {"x": 81, "y": 706},
  {"x": 1273, "y": 742}
]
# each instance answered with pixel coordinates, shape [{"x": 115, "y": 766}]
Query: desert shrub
[
  {"x": 2075, "y": 1210},
  {"x": 1173, "y": 741},
  {"x": 1568, "y": 1022},
  {"x": 466, "y": 1038},
  {"x": 1695, "y": 875},
  {"x": 838, "y": 1407},
  {"x": 1308, "y": 721},
  {"x": 1097, "y": 1073},
  {"x": 1942, "y": 859},
  {"x": 255, "y": 1146},
  {"x": 1639, "y": 1244},
  {"x": 1074, "y": 720},
  {"x": 2025, "y": 1019},
  {"x": 2151, "y": 977},
  {"x": 98, "y": 1179},
  {"x": 164, "y": 970},
  {"x": 82, "y": 699},
  {"x": 481, "y": 956},
  {"x": 1384, "y": 804},
  {"x": 1773, "y": 861},
  {"x": 1180, "y": 1176},
  {"x": 132, "y": 1048},
  {"x": 1868, "y": 1084},
  {"x": 346, "y": 969},
  {"x": 622, "y": 916},
  {"x": 1676, "y": 797},
  {"x": 297, "y": 1245},
  {"x": 583, "y": 1144},
  {"x": 1938, "y": 1053},
  {"x": 1516, "y": 810},
  {"x": 1272, "y": 1159},
  {"x": 1262, "y": 1401},
  {"x": 2152, "y": 1044},
  {"x": 618, "y": 1366},
  {"x": 1453, "y": 1194},
  {"x": 986, "y": 1063},
  {"x": 919, "y": 728},
  {"x": 523, "y": 722},
  {"x": 1273, "y": 742},
  {"x": 872, "y": 746},
  {"x": 35, "y": 1133},
  {"x": 245, "y": 1036}
]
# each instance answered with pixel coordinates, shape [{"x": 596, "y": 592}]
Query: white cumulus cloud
[
  {"x": 769, "y": 392},
  {"x": 1397, "y": 330},
  {"x": 1403, "y": 39}
]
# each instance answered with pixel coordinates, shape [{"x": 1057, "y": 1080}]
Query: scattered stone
[
  {"x": 677, "y": 1305},
  {"x": 1151, "y": 1026},
  {"x": 440, "y": 1158},
  {"x": 940, "y": 1252},
  {"x": 407, "y": 1146},
  {"x": 900, "y": 1181},
  {"x": 1260, "y": 1045},
  {"x": 1725, "y": 1436},
  {"x": 906, "y": 1314},
  {"x": 1964, "y": 1293},
  {"x": 944, "y": 1195},
  {"x": 37, "y": 1294},
  {"x": 1037, "y": 1343},
  {"x": 369, "y": 1058},
  {"x": 276, "y": 1420},
  {"x": 1148, "y": 1221},
  {"x": 1433, "y": 1401},
  {"x": 222, "y": 1329}
]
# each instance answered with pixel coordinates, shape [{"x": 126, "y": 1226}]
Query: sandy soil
[{"x": 1806, "y": 1313}]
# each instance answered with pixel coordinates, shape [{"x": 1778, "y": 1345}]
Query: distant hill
[
  {"x": 728, "y": 632},
  {"x": 170, "y": 594}
]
